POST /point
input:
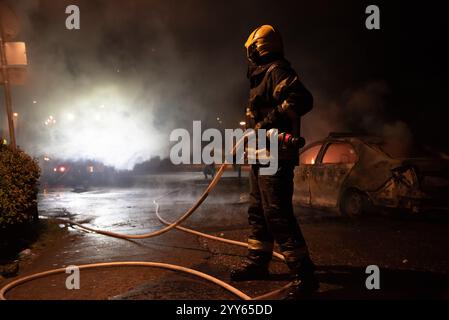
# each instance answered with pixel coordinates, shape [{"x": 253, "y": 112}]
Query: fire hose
[{"x": 168, "y": 226}]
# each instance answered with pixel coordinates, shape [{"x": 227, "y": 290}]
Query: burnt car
[{"x": 353, "y": 174}]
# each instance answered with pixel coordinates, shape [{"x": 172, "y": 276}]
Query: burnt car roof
[
  {"x": 351, "y": 137},
  {"x": 431, "y": 166},
  {"x": 348, "y": 136},
  {"x": 358, "y": 140}
]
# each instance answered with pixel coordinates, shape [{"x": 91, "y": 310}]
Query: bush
[{"x": 19, "y": 174}]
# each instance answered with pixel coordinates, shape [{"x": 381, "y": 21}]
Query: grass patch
[{"x": 33, "y": 236}]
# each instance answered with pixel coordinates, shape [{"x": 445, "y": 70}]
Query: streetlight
[
  {"x": 12, "y": 58},
  {"x": 15, "y": 117},
  {"x": 50, "y": 121}
]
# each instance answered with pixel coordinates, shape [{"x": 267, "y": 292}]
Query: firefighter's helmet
[{"x": 263, "y": 41}]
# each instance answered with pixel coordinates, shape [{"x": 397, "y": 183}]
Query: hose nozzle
[{"x": 286, "y": 140}]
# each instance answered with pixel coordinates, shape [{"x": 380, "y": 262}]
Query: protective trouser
[{"x": 271, "y": 218}]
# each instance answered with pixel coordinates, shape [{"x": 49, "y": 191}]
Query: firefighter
[{"x": 277, "y": 100}]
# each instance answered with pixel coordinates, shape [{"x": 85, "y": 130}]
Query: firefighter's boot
[
  {"x": 302, "y": 287},
  {"x": 255, "y": 267},
  {"x": 304, "y": 282}
]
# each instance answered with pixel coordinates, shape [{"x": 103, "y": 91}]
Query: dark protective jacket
[{"x": 277, "y": 100}]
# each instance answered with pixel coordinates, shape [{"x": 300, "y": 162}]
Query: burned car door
[
  {"x": 307, "y": 160},
  {"x": 330, "y": 172}
]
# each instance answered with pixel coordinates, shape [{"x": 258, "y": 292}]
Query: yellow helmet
[{"x": 262, "y": 41}]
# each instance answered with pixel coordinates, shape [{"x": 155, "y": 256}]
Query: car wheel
[{"x": 353, "y": 203}]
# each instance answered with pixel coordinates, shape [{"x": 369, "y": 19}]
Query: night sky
[{"x": 168, "y": 63}]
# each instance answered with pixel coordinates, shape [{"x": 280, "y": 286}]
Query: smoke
[
  {"x": 398, "y": 139},
  {"x": 117, "y": 87},
  {"x": 361, "y": 110},
  {"x": 138, "y": 69}
]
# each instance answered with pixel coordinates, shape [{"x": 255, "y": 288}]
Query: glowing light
[
  {"x": 107, "y": 126},
  {"x": 70, "y": 116},
  {"x": 55, "y": 169},
  {"x": 15, "y": 114},
  {"x": 242, "y": 123},
  {"x": 51, "y": 120},
  {"x": 90, "y": 169},
  {"x": 46, "y": 159},
  {"x": 62, "y": 169}
]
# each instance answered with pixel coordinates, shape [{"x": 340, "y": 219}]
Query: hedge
[{"x": 19, "y": 174}]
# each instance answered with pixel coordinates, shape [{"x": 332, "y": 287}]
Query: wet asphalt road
[{"x": 411, "y": 252}]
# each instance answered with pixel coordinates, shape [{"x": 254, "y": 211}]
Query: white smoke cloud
[{"x": 115, "y": 99}]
